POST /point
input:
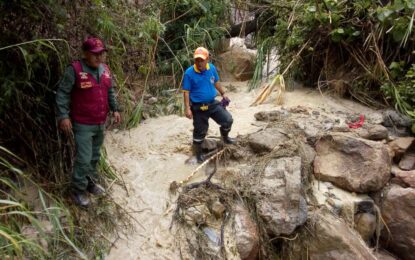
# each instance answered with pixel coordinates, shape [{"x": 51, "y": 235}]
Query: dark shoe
[
  {"x": 228, "y": 140},
  {"x": 197, "y": 151},
  {"x": 95, "y": 189},
  {"x": 225, "y": 137},
  {"x": 80, "y": 199}
]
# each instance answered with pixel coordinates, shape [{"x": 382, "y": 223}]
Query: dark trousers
[
  {"x": 201, "y": 120},
  {"x": 88, "y": 141}
]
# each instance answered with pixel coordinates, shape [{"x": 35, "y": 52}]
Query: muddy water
[{"x": 151, "y": 156}]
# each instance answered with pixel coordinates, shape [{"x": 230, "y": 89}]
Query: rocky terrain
[{"x": 319, "y": 177}]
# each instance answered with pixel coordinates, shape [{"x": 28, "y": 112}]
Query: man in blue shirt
[{"x": 200, "y": 83}]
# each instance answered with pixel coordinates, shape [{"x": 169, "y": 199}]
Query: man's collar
[
  {"x": 100, "y": 67},
  {"x": 198, "y": 71}
]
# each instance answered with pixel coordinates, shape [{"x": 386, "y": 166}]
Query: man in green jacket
[{"x": 84, "y": 98}]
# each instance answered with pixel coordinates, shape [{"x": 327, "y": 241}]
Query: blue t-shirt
[{"x": 201, "y": 84}]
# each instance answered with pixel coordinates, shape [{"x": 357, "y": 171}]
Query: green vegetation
[
  {"x": 149, "y": 45},
  {"x": 38, "y": 40},
  {"x": 363, "y": 48}
]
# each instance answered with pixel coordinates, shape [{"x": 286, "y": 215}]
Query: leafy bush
[
  {"x": 349, "y": 45},
  {"x": 38, "y": 40}
]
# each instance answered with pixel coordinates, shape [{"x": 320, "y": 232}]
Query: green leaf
[
  {"x": 398, "y": 34},
  {"x": 383, "y": 14},
  {"x": 312, "y": 9},
  {"x": 411, "y": 4},
  {"x": 339, "y": 31},
  {"x": 356, "y": 33},
  {"x": 337, "y": 34}
]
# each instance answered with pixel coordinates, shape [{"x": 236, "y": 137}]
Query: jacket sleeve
[
  {"x": 63, "y": 93},
  {"x": 111, "y": 97}
]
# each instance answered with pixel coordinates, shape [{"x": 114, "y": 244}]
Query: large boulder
[
  {"x": 407, "y": 162},
  {"x": 270, "y": 116},
  {"x": 280, "y": 202},
  {"x": 352, "y": 163},
  {"x": 373, "y": 132},
  {"x": 246, "y": 234},
  {"x": 357, "y": 210},
  {"x": 398, "y": 212},
  {"x": 394, "y": 118},
  {"x": 403, "y": 178},
  {"x": 210, "y": 144},
  {"x": 267, "y": 140},
  {"x": 400, "y": 145},
  {"x": 237, "y": 64},
  {"x": 397, "y": 123},
  {"x": 330, "y": 238},
  {"x": 365, "y": 225}
]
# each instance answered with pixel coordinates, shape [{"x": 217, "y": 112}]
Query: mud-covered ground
[{"x": 153, "y": 155}]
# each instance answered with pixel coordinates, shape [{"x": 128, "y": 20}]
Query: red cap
[{"x": 93, "y": 45}]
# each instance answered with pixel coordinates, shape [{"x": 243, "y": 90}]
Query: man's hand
[
  {"x": 117, "y": 117},
  {"x": 66, "y": 126},
  {"x": 188, "y": 113}
]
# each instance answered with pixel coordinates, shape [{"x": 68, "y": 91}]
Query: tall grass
[
  {"x": 17, "y": 212},
  {"x": 263, "y": 52},
  {"x": 37, "y": 218}
]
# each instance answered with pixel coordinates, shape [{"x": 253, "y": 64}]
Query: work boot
[
  {"x": 226, "y": 139},
  {"x": 197, "y": 150},
  {"x": 95, "y": 189},
  {"x": 80, "y": 198}
]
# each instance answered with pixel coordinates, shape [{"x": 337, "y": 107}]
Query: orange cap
[{"x": 201, "y": 52}]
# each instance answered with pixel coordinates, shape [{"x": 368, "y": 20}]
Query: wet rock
[
  {"x": 394, "y": 118},
  {"x": 300, "y": 125},
  {"x": 342, "y": 127},
  {"x": 308, "y": 153},
  {"x": 373, "y": 132},
  {"x": 356, "y": 209},
  {"x": 375, "y": 118},
  {"x": 267, "y": 140},
  {"x": 246, "y": 234},
  {"x": 209, "y": 145},
  {"x": 299, "y": 110},
  {"x": 152, "y": 100},
  {"x": 351, "y": 163},
  {"x": 398, "y": 212},
  {"x": 238, "y": 63},
  {"x": 311, "y": 133},
  {"x": 270, "y": 116},
  {"x": 330, "y": 238},
  {"x": 400, "y": 145},
  {"x": 365, "y": 225},
  {"x": 403, "y": 178},
  {"x": 407, "y": 162},
  {"x": 237, "y": 154},
  {"x": 328, "y": 126},
  {"x": 214, "y": 237},
  {"x": 218, "y": 209},
  {"x": 147, "y": 96},
  {"x": 196, "y": 215},
  {"x": 280, "y": 202},
  {"x": 146, "y": 115}
]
